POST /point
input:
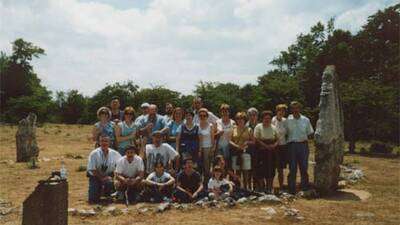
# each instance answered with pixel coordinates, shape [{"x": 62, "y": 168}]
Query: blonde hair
[
  {"x": 224, "y": 106},
  {"x": 280, "y": 107},
  {"x": 241, "y": 115}
]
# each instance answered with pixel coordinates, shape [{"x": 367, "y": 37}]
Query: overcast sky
[{"x": 175, "y": 43}]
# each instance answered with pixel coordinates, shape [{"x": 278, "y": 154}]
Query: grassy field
[{"x": 56, "y": 142}]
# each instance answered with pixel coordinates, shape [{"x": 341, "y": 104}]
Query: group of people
[{"x": 186, "y": 155}]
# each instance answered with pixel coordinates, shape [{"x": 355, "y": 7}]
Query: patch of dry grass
[{"x": 58, "y": 141}]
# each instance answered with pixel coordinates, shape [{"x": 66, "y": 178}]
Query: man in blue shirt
[{"x": 152, "y": 122}]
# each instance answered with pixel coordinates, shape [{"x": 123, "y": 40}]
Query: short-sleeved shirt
[
  {"x": 239, "y": 137},
  {"x": 164, "y": 178},
  {"x": 105, "y": 129},
  {"x": 158, "y": 124},
  {"x": 215, "y": 183},
  {"x": 280, "y": 128},
  {"x": 130, "y": 169},
  {"x": 118, "y": 116},
  {"x": 226, "y": 136},
  {"x": 189, "y": 182},
  {"x": 211, "y": 118},
  {"x": 298, "y": 129},
  {"x": 174, "y": 128},
  {"x": 125, "y": 131},
  {"x": 97, "y": 160},
  {"x": 164, "y": 153},
  {"x": 265, "y": 133},
  {"x": 167, "y": 118}
]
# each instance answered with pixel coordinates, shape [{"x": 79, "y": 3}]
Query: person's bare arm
[
  {"x": 178, "y": 142},
  {"x": 200, "y": 188}
]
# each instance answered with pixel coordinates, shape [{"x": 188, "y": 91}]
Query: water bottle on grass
[{"x": 63, "y": 171}]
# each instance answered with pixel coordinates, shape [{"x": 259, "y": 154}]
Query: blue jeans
[
  {"x": 298, "y": 156},
  {"x": 95, "y": 189},
  {"x": 225, "y": 151}
]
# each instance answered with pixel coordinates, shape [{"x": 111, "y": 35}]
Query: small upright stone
[
  {"x": 26, "y": 139},
  {"x": 329, "y": 136}
]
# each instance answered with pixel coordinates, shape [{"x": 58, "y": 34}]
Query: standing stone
[
  {"x": 47, "y": 205},
  {"x": 329, "y": 136},
  {"x": 26, "y": 139}
]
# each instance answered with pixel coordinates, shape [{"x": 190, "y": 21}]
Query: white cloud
[{"x": 173, "y": 43}]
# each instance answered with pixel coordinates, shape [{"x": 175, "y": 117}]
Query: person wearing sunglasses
[
  {"x": 207, "y": 145},
  {"x": 126, "y": 131},
  {"x": 103, "y": 126}
]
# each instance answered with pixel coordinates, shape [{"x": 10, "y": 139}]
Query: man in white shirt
[
  {"x": 161, "y": 152},
  {"x": 129, "y": 174},
  {"x": 197, "y": 105},
  {"x": 100, "y": 169},
  {"x": 299, "y": 130}
]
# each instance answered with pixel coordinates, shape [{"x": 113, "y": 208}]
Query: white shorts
[{"x": 246, "y": 162}]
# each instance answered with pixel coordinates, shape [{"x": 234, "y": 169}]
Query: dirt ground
[{"x": 56, "y": 142}]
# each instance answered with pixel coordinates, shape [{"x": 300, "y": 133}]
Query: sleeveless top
[
  {"x": 206, "y": 136},
  {"x": 107, "y": 129},
  {"x": 189, "y": 140},
  {"x": 125, "y": 131},
  {"x": 239, "y": 137}
]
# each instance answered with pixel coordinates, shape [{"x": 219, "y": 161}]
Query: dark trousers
[
  {"x": 298, "y": 157},
  {"x": 96, "y": 188},
  {"x": 154, "y": 194},
  {"x": 183, "y": 197}
]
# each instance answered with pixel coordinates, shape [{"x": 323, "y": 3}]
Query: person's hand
[
  {"x": 149, "y": 126},
  {"x": 106, "y": 179},
  {"x": 194, "y": 195}
]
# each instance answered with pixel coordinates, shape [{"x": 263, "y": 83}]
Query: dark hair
[
  {"x": 189, "y": 111},
  {"x": 218, "y": 158},
  {"x": 158, "y": 163},
  {"x": 115, "y": 98},
  {"x": 266, "y": 113},
  {"x": 132, "y": 147},
  {"x": 185, "y": 160}
]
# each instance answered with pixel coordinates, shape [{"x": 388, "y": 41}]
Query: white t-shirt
[
  {"x": 130, "y": 169},
  {"x": 281, "y": 129},
  {"x": 164, "y": 178},
  {"x": 98, "y": 161},
  {"x": 163, "y": 153},
  {"x": 226, "y": 136},
  {"x": 215, "y": 184},
  {"x": 206, "y": 136}
]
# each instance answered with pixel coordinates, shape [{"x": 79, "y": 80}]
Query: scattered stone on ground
[
  {"x": 163, "y": 207},
  {"x": 73, "y": 156},
  {"x": 291, "y": 212},
  {"x": 362, "y": 195},
  {"x": 270, "y": 211},
  {"x": 269, "y": 198},
  {"x": 86, "y": 213},
  {"x": 342, "y": 184},
  {"x": 112, "y": 210},
  {"x": 363, "y": 215},
  {"x": 45, "y": 159},
  {"x": 309, "y": 194},
  {"x": 242, "y": 200},
  {"x": 143, "y": 210},
  {"x": 72, "y": 211},
  {"x": 351, "y": 174}
]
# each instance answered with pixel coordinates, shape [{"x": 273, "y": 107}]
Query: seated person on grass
[
  {"x": 159, "y": 185},
  {"x": 219, "y": 187},
  {"x": 189, "y": 184},
  {"x": 129, "y": 174},
  {"x": 100, "y": 170}
]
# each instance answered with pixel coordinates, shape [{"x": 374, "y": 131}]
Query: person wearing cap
[
  {"x": 197, "y": 105},
  {"x": 163, "y": 152},
  {"x": 299, "y": 130},
  {"x": 103, "y": 126},
  {"x": 129, "y": 174},
  {"x": 116, "y": 113},
  {"x": 102, "y": 162},
  {"x": 144, "y": 107},
  {"x": 126, "y": 131},
  {"x": 152, "y": 122}
]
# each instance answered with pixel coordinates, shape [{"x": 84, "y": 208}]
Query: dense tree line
[{"x": 367, "y": 64}]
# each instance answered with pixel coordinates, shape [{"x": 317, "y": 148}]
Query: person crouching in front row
[
  {"x": 158, "y": 185},
  {"x": 129, "y": 174},
  {"x": 100, "y": 170},
  {"x": 189, "y": 184},
  {"x": 218, "y": 186}
]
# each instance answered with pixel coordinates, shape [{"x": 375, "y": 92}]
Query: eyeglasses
[{"x": 130, "y": 114}]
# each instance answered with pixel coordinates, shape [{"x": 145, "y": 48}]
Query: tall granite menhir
[
  {"x": 329, "y": 136},
  {"x": 26, "y": 139}
]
